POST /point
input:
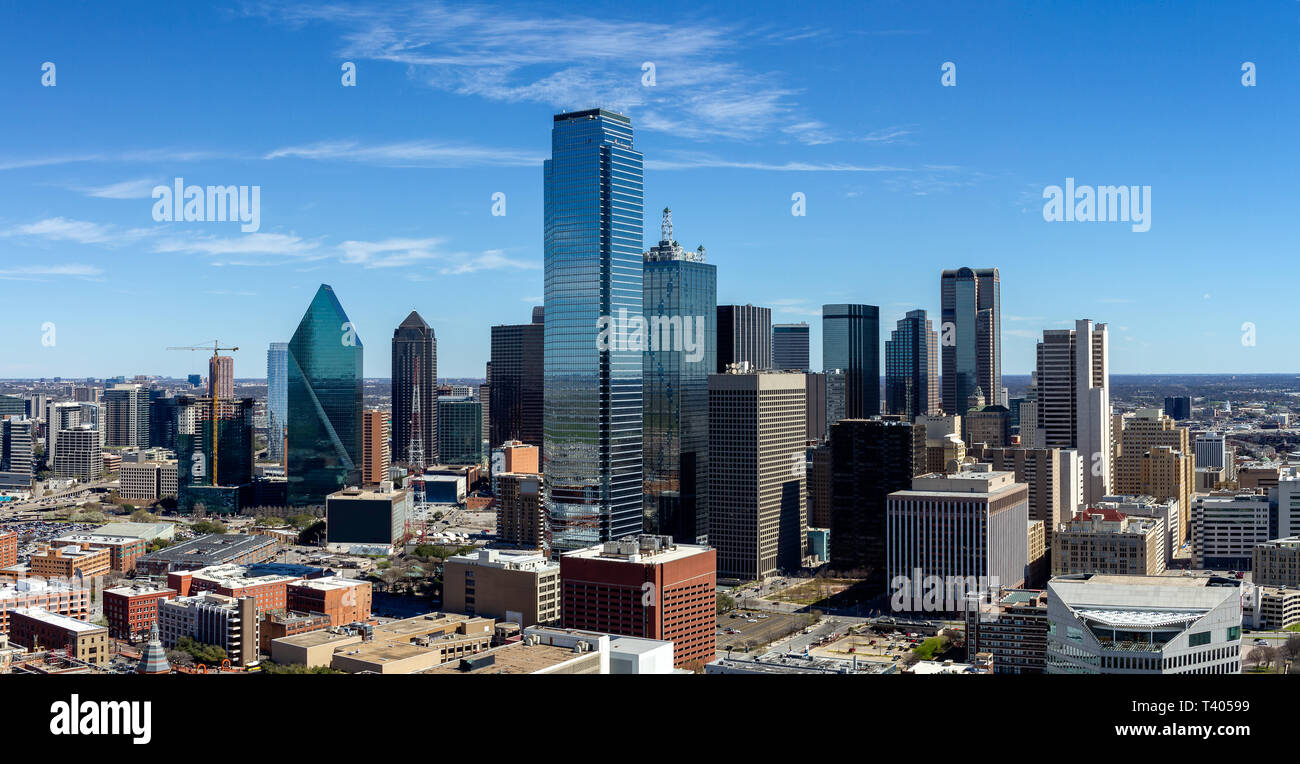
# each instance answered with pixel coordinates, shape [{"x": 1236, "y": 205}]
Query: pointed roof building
[{"x": 154, "y": 660}]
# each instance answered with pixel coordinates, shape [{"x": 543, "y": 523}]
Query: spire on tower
[{"x": 666, "y": 229}]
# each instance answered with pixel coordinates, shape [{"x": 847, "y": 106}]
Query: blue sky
[{"x": 384, "y": 190}]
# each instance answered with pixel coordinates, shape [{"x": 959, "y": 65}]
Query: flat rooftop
[
  {"x": 516, "y": 658},
  {"x": 216, "y": 547},
  {"x": 317, "y": 638},
  {"x": 329, "y": 583},
  {"x": 146, "y": 531},
  {"x": 640, "y": 556},
  {"x": 366, "y": 494},
  {"x": 59, "y": 621}
]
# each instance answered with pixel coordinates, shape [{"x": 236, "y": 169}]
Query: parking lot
[{"x": 765, "y": 628}]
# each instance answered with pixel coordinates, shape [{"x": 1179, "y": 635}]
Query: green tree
[{"x": 726, "y": 603}]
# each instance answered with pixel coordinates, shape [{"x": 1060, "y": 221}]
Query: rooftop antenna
[{"x": 666, "y": 229}]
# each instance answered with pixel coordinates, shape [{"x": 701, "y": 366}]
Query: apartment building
[
  {"x": 1107, "y": 541},
  {"x": 522, "y": 588}
]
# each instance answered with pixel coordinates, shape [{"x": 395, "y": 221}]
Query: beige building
[
  {"x": 1277, "y": 562},
  {"x": 508, "y": 586},
  {"x": 148, "y": 481},
  {"x": 1104, "y": 541},
  {"x": 1170, "y": 473},
  {"x": 415, "y": 644},
  {"x": 1037, "y": 468},
  {"x": 521, "y": 517},
  {"x": 375, "y": 454}
]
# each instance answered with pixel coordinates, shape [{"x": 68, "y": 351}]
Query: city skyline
[{"x": 896, "y": 188}]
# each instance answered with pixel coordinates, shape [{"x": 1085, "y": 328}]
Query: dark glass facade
[
  {"x": 790, "y": 347},
  {"x": 851, "y": 343},
  {"x": 516, "y": 393},
  {"x": 415, "y": 351},
  {"x": 971, "y": 312},
  {"x": 678, "y": 287},
  {"x": 869, "y": 459},
  {"x": 195, "y": 487},
  {"x": 592, "y": 395},
  {"x": 277, "y": 398},
  {"x": 325, "y": 388},
  {"x": 744, "y": 335},
  {"x": 460, "y": 431},
  {"x": 911, "y": 382}
]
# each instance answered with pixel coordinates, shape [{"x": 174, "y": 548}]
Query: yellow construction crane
[{"x": 212, "y": 386}]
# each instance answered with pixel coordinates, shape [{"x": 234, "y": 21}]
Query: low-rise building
[
  {"x": 268, "y": 590},
  {"x": 416, "y": 644},
  {"x": 520, "y": 587},
  {"x": 68, "y": 598},
  {"x": 342, "y": 600},
  {"x": 212, "y": 619},
  {"x": 123, "y": 550},
  {"x": 1110, "y": 542},
  {"x": 204, "y": 551},
  {"x": 132, "y": 610},
  {"x": 71, "y": 561},
  {"x": 1013, "y": 630},
  {"x": 38, "y": 629},
  {"x": 291, "y": 623},
  {"x": 1143, "y": 625},
  {"x": 1277, "y": 562},
  {"x": 1270, "y": 608}
]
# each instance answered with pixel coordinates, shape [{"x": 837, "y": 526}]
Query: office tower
[
  {"x": 1072, "y": 482},
  {"x": 971, "y": 314},
  {"x": 277, "y": 398},
  {"x": 1179, "y": 407},
  {"x": 484, "y": 397},
  {"x": 757, "y": 472},
  {"x": 790, "y": 347},
  {"x": 163, "y": 421},
  {"x": 221, "y": 376},
  {"x": 990, "y": 425},
  {"x": 1211, "y": 450},
  {"x": 375, "y": 454},
  {"x": 744, "y": 336},
  {"x": 1109, "y": 542},
  {"x": 1029, "y": 434},
  {"x": 870, "y": 459},
  {"x": 962, "y": 528},
  {"x": 1039, "y": 470},
  {"x": 230, "y": 488},
  {"x": 415, "y": 394},
  {"x": 460, "y": 430},
  {"x": 126, "y": 413},
  {"x": 836, "y": 397},
  {"x": 1143, "y": 625},
  {"x": 680, "y": 297},
  {"x": 521, "y": 518},
  {"x": 12, "y": 405},
  {"x": 815, "y": 389},
  {"x": 592, "y": 396},
  {"x": 368, "y": 516},
  {"x": 59, "y": 417},
  {"x": 1226, "y": 528},
  {"x": 16, "y": 454},
  {"x": 1153, "y": 457},
  {"x": 515, "y": 399},
  {"x": 645, "y": 586},
  {"x": 1274, "y": 563},
  {"x": 324, "y": 393},
  {"x": 1074, "y": 399},
  {"x": 78, "y": 454},
  {"x": 912, "y": 367},
  {"x": 1288, "y": 505},
  {"x": 819, "y": 487},
  {"x": 851, "y": 343}
]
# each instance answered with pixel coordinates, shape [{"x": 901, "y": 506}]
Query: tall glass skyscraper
[
  {"x": 415, "y": 364},
  {"x": 277, "y": 398},
  {"x": 971, "y": 311},
  {"x": 912, "y": 367},
  {"x": 324, "y": 393},
  {"x": 591, "y": 417},
  {"x": 851, "y": 343},
  {"x": 680, "y": 302},
  {"x": 790, "y": 346}
]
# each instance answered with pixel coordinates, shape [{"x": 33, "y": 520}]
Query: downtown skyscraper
[
  {"x": 911, "y": 367},
  {"x": 681, "y": 296},
  {"x": 415, "y": 394},
  {"x": 1074, "y": 400},
  {"x": 277, "y": 398},
  {"x": 971, "y": 331},
  {"x": 592, "y": 458},
  {"x": 851, "y": 343},
  {"x": 515, "y": 397},
  {"x": 324, "y": 393},
  {"x": 744, "y": 336},
  {"x": 790, "y": 347}
]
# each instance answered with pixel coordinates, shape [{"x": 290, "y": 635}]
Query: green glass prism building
[
  {"x": 680, "y": 298},
  {"x": 591, "y": 418},
  {"x": 325, "y": 387}
]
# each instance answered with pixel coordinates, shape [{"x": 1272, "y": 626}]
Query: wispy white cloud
[
  {"x": 128, "y": 156},
  {"x": 391, "y": 253},
  {"x": 127, "y": 189},
  {"x": 570, "y": 61},
  {"x": 79, "y": 231},
  {"x": 244, "y": 249},
  {"x": 410, "y": 154},
  {"x": 691, "y": 161},
  {"x": 39, "y": 272}
]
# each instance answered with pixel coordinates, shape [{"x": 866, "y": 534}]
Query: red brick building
[
  {"x": 8, "y": 548},
  {"x": 277, "y": 625},
  {"x": 645, "y": 586},
  {"x": 123, "y": 551},
  {"x": 132, "y": 611},
  {"x": 270, "y": 591},
  {"x": 344, "y": 600}
]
